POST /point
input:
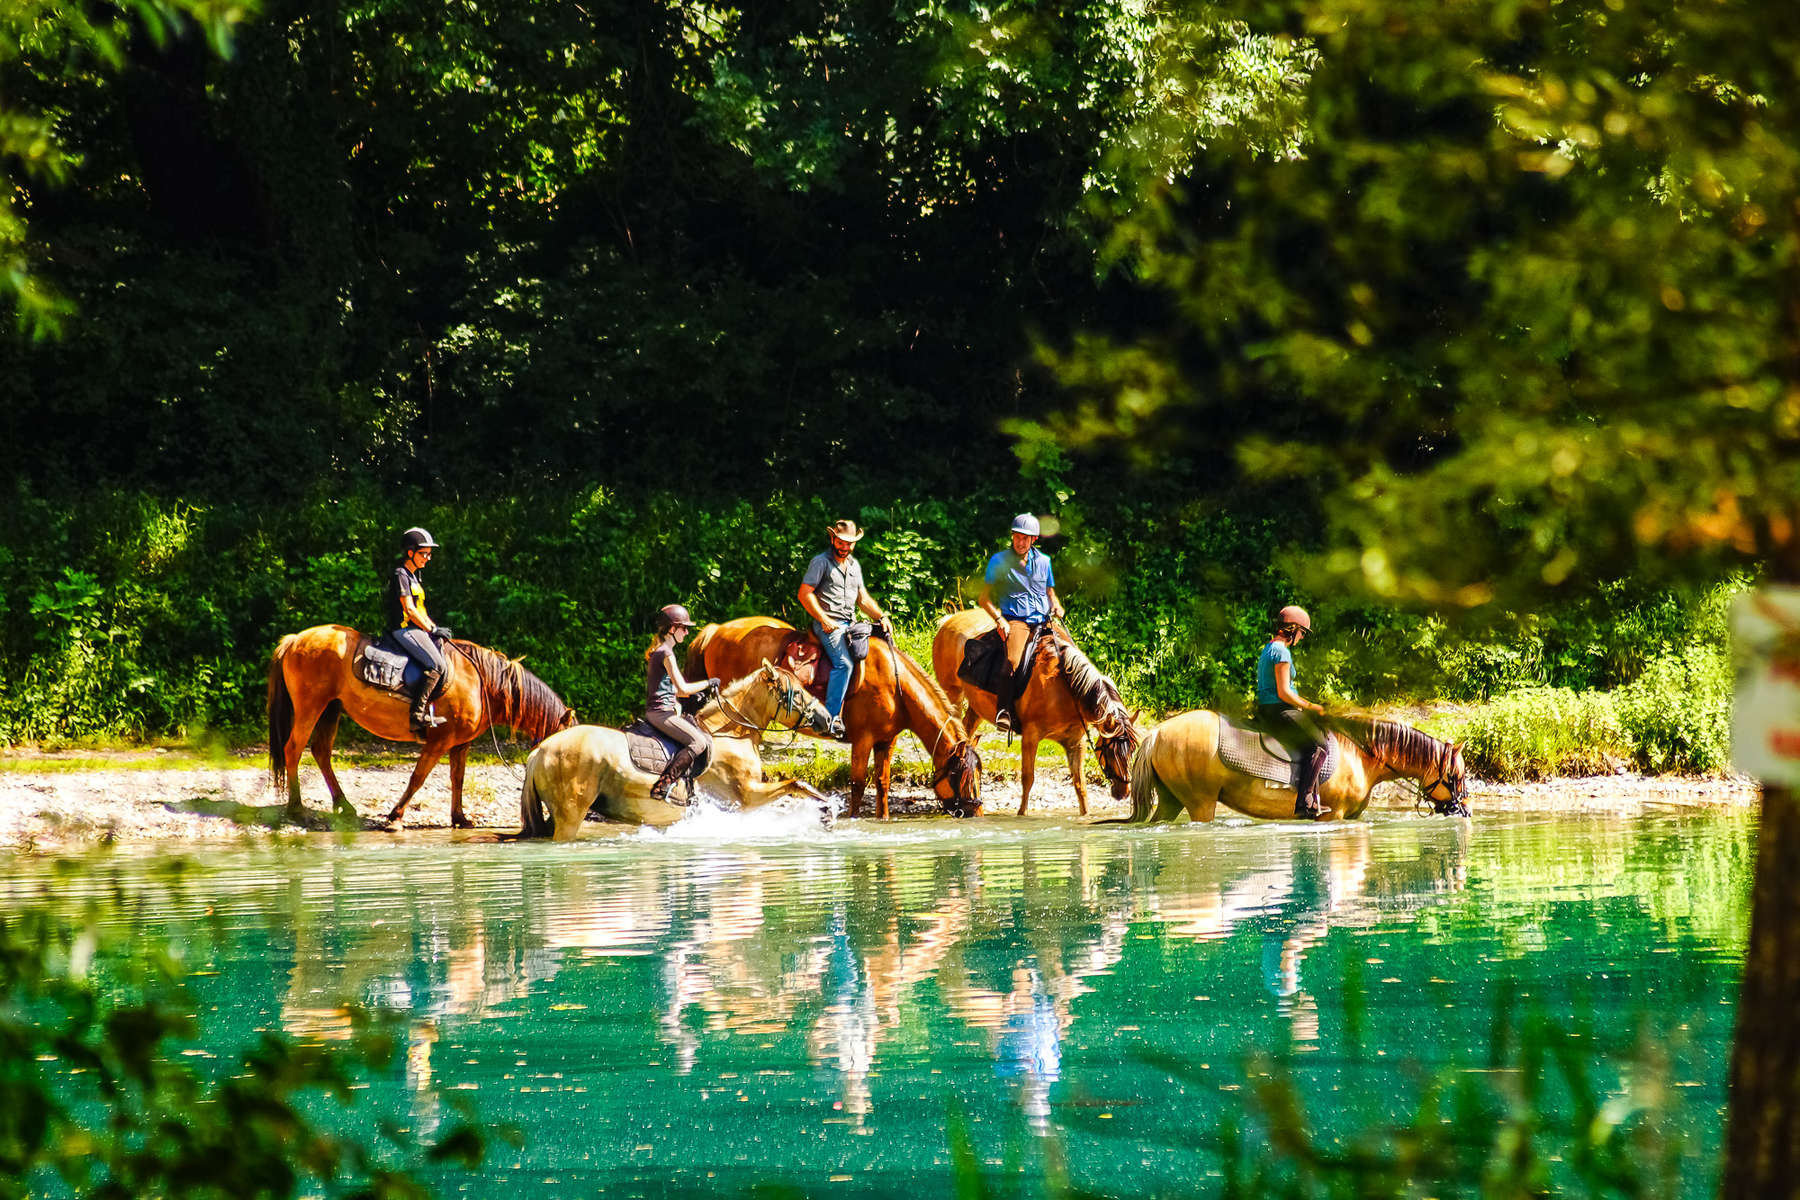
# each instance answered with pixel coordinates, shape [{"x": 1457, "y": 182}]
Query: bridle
[
  {"x": 1096, "y": 741},
  {"x": 785, "y": 703},
  {"x": 1457, "y": 787}
]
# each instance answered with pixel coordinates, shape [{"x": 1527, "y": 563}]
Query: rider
[
  {"x": 663, "y": 689},
  {"x": 1026, "y": 585},
  {"x": 831, "y": 591},
  {"x": 1285, "y": 712},
  {"x": 411, "y": 627}
]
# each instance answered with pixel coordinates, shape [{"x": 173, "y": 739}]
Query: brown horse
[
  {"x": 1057, "y": 703},
  {"x": 312, "y": 684},
  {"x": 1178, "y": 767},
  {"x": 894, "y": 694}
]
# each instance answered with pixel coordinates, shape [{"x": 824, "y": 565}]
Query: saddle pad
[
  {"x": 380, "y": 667},
  {"x": 1248, "y": 749},
  {"x": 651, "y": 751},
  {"x": 984, "y": 660}
]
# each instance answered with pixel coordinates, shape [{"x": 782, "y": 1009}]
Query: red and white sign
[{"x": 1765, "y": 719}]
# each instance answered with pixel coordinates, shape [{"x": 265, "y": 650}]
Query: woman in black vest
[
  {"x": 411, "y": 628},
  {"x": 663, "y": 689}
]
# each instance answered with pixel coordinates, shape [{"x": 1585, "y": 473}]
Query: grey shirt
[{"x": 836, "y": 588}]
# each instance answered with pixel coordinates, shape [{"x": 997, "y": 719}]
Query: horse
[
  {"x": 1060, "y": 701},
  {"x": 1178, "y": 766},
  {"x": 894, "y": 694},
  {"x": 589, "y": 765},
  {"x": 312, "y": 684}
]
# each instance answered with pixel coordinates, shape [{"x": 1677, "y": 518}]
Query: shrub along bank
[{"x": 129, "y": 616}]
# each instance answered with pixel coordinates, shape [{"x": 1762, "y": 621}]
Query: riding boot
[
  {"x": 675, "y": 769},
  {"x": 1003, "y": 704},
  {"x": 424, "y": 722},
  {"x": 1306, "y": 797}
]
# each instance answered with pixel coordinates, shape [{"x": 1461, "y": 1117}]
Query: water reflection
[{"x": 836, "y": 985}]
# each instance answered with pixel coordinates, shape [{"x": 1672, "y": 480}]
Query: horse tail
[
  {"x": 1144, "y": 784},
  {"x": 694, "y": 666},
  {"x": 281, "y": 714},
  {"x": 532, "y": 817}
]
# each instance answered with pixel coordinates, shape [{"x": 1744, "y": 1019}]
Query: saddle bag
[{"x": 381, "y": 666}]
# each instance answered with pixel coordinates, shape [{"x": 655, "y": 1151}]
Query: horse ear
[{"x": 768, "y": 669}]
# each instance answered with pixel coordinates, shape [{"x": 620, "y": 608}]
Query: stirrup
[{"x": 1003, "y": 720}]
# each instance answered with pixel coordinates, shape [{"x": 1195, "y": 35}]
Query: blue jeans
[{"x": 838, "y": 651}]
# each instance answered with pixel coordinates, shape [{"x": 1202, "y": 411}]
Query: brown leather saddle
[{"x": 802, "y": 654}]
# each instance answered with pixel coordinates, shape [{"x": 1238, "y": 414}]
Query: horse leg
[
  {"x": 1028, "y": 744},
  {"x": 1200, "y": 809},
  {"x": 884, "y": 773},
  {"x": 1077, "y": 769},
  {"x": 428, "y": 758},
  {"x": 304, "y": 720},
  {"x": 859, "y": 774},
  {"x": 323, "y": 737},
  {"x": 459, "y": 759}
]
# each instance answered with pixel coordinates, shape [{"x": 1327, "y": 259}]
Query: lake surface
[{"x": 746, "y": 1001}]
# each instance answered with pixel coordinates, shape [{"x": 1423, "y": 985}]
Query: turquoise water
[{"x": 747, "y": 1001}]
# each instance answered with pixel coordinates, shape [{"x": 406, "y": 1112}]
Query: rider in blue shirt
[
  {"x": 1285, "y": 712},
  {"x": 1020, "y": 594}
]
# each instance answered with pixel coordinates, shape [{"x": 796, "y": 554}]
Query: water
[{"x": 744, "y": 1000}]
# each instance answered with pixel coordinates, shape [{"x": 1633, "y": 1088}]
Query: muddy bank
[{"x": 52, "y": 801}]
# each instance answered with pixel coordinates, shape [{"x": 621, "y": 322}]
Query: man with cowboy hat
[
  {"x": 1020, "y": 594},
  {"x": 831, "y": 592}
]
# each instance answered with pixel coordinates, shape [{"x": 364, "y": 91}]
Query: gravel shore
[{"x": 66, "y": 801}]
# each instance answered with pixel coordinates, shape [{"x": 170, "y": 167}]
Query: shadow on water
[{"x": 731, "y": 1002}]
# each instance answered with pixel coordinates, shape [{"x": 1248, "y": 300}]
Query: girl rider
[
  {"x": 1285, "y": 713},
  {"x": 663, "y": 689},
  {"x": 412, "y": 629}
]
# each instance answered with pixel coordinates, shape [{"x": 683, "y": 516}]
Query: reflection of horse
[
  {"x": 312, "y": 683},
  {"x": 590, "y": 765},
  {"x": 1059, "y": 702},
  {"x": 1178, "y": 766},
  {"x": 890, "y": 693}
]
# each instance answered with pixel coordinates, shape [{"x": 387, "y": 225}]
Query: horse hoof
[
  {"x": 393, "y": 824},
  {"x": 461, "y": 823}
]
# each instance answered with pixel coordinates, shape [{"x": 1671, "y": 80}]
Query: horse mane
[
  {"x": 1094, "y": 692},
  {"x": 520, "y": 700},
  {"x": 1397, "y": 744},
  {"x": 917, "y": 674}
]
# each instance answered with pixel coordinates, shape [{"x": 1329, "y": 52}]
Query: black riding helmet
[{"x": 417, "y": 538}]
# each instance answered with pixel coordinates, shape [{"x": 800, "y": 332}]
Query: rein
[{"x": 786, "y": 703}]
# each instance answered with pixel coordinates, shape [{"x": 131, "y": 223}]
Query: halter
[{"x": 785, "y": 703}]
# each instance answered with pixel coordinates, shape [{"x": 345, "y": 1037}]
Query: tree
[{"x": 1524, "y": 315}]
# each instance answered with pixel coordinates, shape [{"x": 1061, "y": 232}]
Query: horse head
[
  {"x": 795, "y": 707},
  {"x": 1447, "y": 791},
  {"x": 1116, "y": 739},
  {"x": 958, "y": 782}
]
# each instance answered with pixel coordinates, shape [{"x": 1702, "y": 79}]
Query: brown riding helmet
[
  {"x": 1293, "y": 614},
  {"x": 672, "y": 615}
]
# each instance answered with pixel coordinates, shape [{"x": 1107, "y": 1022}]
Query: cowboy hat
[{"x": 845, "y": 530}]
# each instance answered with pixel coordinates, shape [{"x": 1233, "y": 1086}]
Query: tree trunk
[{"x": 1762, "y": 1139}]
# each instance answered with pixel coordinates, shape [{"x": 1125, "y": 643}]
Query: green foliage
[
  {"x": 1539, "y": 732},
  {"x": 1678, "y": 712},
  {"x": 96, "y": 1097}
]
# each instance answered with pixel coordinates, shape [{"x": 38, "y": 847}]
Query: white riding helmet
[{"x": 1025, "y": 523}]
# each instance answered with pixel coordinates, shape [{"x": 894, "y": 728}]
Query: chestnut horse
[
  {"x": 312, "y": 684},
  {"x": 894, "y": 695},
  {"x": 1055, "y": 703},
  {"x": 590, "y": 766},
  {"x": 1178, "y": 767}
]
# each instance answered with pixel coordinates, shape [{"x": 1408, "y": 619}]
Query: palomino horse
[
  {"x": 1178, "y": 767},
  {"x": 1056, "y": 703},
  {"x": 589, "y": 765},
  {"x": 312, "y": 684},
  {"x": 894, "y": 695}
]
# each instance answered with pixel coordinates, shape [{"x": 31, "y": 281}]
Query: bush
[
  {"x": 1678, "y": 712},
  {"x": 1539, "y": 732}
]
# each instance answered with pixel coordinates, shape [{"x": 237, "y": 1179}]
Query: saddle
[
  {"x": 983, "y": 663},
  {"x": 802, "y": 654},
  {"x": 380, "y": 664},
  {"x": 1253, "y": 751},
  {"x": 650, "y": 750}
]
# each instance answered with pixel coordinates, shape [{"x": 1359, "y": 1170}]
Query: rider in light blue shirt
[
  {"x": 1288, "y": 714},
  {"x": 1020, "y": 594}
]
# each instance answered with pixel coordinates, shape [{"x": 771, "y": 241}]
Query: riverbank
[{"x": 58, "y": 801}]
